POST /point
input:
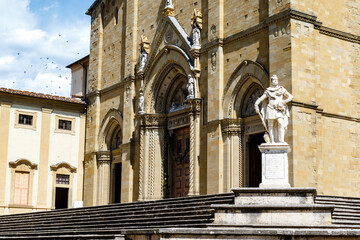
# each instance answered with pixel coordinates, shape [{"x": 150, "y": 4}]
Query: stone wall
[{"x": 310, "y": 48}]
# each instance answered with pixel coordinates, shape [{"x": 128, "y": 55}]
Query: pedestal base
[{"x": 275, "y": 167}]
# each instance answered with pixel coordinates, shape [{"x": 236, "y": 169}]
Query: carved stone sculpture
[
  {"x": 196, "y": 24},
  {"x": 190, "y": 87},
  {"x": 141, "y": 103},
  {"x": 274, "y": 112},
  {"x": 169, "y": 4},
  {"x": 144, "y": 51}
]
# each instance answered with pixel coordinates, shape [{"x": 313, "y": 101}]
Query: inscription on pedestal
[{"x": 274, "y": 165}]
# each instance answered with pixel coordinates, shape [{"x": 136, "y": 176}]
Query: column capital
[{"x": 103, "y": 156}]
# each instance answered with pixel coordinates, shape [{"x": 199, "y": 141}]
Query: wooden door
[{"x": 180, "y": 163}]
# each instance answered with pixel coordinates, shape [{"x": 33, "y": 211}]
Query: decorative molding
[
  {"x": 232, "y": 126},
  {"x": 192, "y": 156},
  {"x": 150, "y": 182},
  {"x": 338, "y": 34},
  {"x": 321, "y": 111},
  {"x": 179, "y": 121},
  {"x": 151, "y": 120},
  {"x": 284, "y": 15},
  {"x": 55, "y": 167},
  {"x": 103, "y": 157},
  {"x": 141, "y": 163},
  {"x": 194, "y": 105},
  {"x": 304, "y": 105},
  {"x": 14, "y": 164}
]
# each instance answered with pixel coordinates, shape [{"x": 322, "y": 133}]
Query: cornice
[
  {"x": 321, "y": 111},
  {"x": 338, "y": 34}
]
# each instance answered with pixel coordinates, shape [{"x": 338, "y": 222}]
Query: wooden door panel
[{"x": 180, "y": 170}]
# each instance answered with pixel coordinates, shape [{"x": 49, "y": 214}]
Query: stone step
[
  {"x": 346, "y": 214},
  {"x": 346, "y": 222},
  {"x": 346, "y": 217},
  {"x": 301, "y": 214},
  {"x": 119, "y": 208},
  {"x": 271, "y": 196},
  {"x": 123, "y": 212},
  {"x": 338, "y": 203},
  {"x": 150, "y": 223},
  {"x": 353, "y": 200},
  {"x": 198, "y": 200},
  {"x": 195, "y": 214},
  {"x": 69, "y": 236}
]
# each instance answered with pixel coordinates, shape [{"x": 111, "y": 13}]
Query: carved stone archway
[
  {"x": 247, "y": 78},
  {"x": 111, "y": 124},
  {"x": 169, "y": 70}
]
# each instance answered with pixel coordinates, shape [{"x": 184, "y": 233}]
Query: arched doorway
[
  {"x": 242, "y": 127},
  {"x": 109, "y": 163},
  {"x": 168, "y": 137}
]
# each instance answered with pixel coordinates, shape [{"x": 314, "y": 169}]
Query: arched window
[{"x": 22, "y": 172}]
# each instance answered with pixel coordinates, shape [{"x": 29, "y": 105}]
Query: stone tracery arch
[
  {"x": 243, "y": 78},
  {"x": 112, "y": 120},
  {"x": 157, "y": 75}
]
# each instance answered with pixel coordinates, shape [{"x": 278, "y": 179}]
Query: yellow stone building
[
  {"x": 189, "y": 138},
  {"x": 41, "y": 151}
]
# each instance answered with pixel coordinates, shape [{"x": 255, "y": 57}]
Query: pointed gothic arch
[
  {"x": 112, "y": 122},
  {"x": 157, "y": 75},
  {"x": 244, "y": 77}
]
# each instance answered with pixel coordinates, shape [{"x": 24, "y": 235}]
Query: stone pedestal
[
  {"x": 273, "y": 207},
  {"x": 275, "y": 167}
]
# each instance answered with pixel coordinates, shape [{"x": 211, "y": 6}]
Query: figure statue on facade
[
  {"x": 274, "y": 112},
  {"x": 169, "y": 4},
  {"x": 144, "y": 51},
  {"x": 141, "y": 103},
  {"x": 196, "y": 24},
  {"x": 190, "y": 87}
]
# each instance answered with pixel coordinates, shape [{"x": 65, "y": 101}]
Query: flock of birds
[{"x": 46, "y": 64}]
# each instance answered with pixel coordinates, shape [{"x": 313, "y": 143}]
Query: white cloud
[
  {"x": 5, "y": 62},
  {"x": 33, "y": 58}
]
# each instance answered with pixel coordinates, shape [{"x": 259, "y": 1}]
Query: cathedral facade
[{"x": 171, "y": 89}]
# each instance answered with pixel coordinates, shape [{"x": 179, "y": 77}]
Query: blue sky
[{"x": 38, "y": 38}]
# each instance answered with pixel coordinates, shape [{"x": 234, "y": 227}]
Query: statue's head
[{"x": 274, "y": 80}]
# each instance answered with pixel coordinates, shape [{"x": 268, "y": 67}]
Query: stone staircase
[
  {"x": 110, "y": 221},
  {"x": 347, "y": 209},
  {"x": 105, "y": 221}
]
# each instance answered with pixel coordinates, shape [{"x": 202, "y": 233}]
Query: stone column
[
  {"x": 141, "y": 163},
  {"x": 231, "y": 130},
  {"x": 150, "y": 156},
  {"x": 103, "y": 190},
  {"x": 194, "y": 114}
]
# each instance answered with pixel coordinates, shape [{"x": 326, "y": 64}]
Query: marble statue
[
  {"x": 190, "y": 87},
  {"x": 169, "y": 4},
  {"x": 196, "y": 24},
  {"x": 274, "y": 112},
  {"x": 141, "y": 103},
  {"x": 144, "y": 51}
]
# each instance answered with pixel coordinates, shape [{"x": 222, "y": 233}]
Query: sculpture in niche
[
  {"x": 169, "y": 4},
  {"x": 190, "y": 87},
  {"x": 141, "y": 103},
  {"x": 196, "y": 24},
  {"x": 274, "y": 112},
  {"x": 144, "y": 51},
  {"x": 249, "y": 109},
  {"x": 178, "y": 100}
]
